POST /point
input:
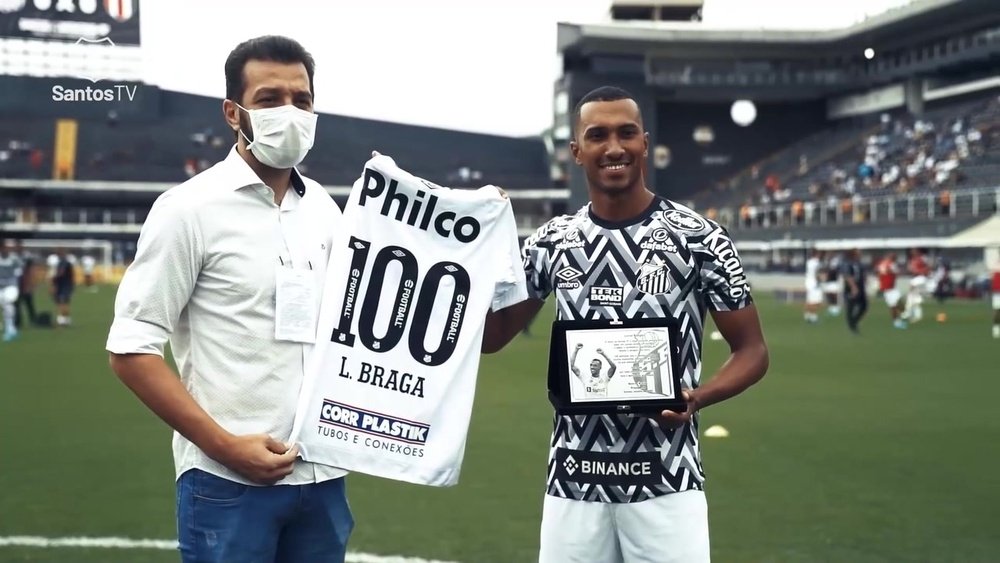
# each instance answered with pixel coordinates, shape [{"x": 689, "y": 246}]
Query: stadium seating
[
  {"x": 190, "y": 134},
  {"x": 952, "y": 147}
]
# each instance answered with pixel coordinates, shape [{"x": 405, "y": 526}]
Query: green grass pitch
[{"x": 882, "y": 447}]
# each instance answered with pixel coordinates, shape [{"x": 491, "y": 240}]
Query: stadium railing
[{"x": 980, "y": 202}]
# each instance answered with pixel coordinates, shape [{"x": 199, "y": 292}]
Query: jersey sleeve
[
  {"x": 723, "y": 284},
  {"x": 159, "y": 282},
  {"x": 534, "y": 259},
  {"x": 510, "y": 286}
]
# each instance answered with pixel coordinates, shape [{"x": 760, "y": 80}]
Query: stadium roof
[{"x": 916, "y": 21}]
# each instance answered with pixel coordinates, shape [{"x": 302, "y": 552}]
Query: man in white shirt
[
  {"x": 228, "y": 267},
  {"x": 88, "y": 263}
]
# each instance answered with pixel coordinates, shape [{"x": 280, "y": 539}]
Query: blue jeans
[{"x": 219, "y": 520}]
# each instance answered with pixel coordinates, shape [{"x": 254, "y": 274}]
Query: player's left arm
[
  {"x": 748, "y": 356},
  {"x": 747, "y": 363},
  {"x": 726, "y": 292}
]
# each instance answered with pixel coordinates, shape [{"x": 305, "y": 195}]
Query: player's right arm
[
  {"x": 504, "y": 324},
  {"x": 572, "y": 362},
  {"x": 152, "y": 294}
]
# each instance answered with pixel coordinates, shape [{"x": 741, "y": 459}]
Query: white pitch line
[{"x": 127, "y": 543}]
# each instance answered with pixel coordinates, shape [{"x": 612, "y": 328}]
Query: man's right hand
[{"x": 258, "y": 457}]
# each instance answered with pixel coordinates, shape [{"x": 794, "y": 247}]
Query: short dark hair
[
  {"x": 275, "y": 48},
  {"x": 603, "y": 94}
]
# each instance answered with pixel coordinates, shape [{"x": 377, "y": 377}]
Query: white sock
[
  {"x": 996, "y": 331},
  {"x": 8, "y": 318}
]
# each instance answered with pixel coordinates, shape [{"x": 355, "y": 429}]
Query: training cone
[{"x": 716, "y": 432}]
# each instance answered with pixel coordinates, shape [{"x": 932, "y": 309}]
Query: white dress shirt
[{"x": 204, "y": 277}]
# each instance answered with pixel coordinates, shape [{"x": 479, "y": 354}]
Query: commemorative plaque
[{"x": 615, "y": 367}]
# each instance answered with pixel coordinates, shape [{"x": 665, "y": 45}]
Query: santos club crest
[{"x": 653, "y": 278}]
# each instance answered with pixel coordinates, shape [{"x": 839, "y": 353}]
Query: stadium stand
[
  {"x": 952, "y": 147},
  {"x": 189, "y": 134}
]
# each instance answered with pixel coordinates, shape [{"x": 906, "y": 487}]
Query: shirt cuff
[{"x": 129, "y": 336}]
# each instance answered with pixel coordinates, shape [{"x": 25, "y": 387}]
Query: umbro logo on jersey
[
  {"x": 653, "y": 278},
  {"x": 659, "y": 239},
  {"x": 684, "y": 221},
  {"x": 568, "y": 278}
]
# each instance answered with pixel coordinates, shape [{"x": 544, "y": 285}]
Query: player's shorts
[
  {"x": 832, "y": 287},
  {"x": 8, "y": 295},
  {"x": 996, "y": 301},
  {"x": 668, "y": 528},
  {"x": 891, "y": 297},
  {"x": 918, "y": 283},
  {"x": 814, "y": 295},
  {"x": 63, "y": 295}
]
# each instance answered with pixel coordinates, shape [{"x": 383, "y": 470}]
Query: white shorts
[
  {"x": 665, "y": 529},
  {"x": 8, "y": 295},
  {"x": 996, "y": 301},
  {"x": 891, "y": 297},
  {"x": 918, "y": 284},
  {"x": 814, "y": 295},
  {"x": 833, "y": 287}
]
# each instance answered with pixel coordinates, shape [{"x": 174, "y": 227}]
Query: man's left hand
[{"x": 672, "y": 419}]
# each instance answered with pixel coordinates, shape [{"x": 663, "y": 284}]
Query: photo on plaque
[{"x": 620, "y": 365}]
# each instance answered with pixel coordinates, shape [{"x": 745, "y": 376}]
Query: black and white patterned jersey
[{"x": 668, "y": 262}]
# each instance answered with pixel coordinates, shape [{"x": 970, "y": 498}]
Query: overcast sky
[{"x": 476, "y": 65}]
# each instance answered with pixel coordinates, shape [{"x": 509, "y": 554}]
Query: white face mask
[{"x": 282, "y": 136}]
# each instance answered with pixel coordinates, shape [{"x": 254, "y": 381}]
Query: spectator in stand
[{"x": 944, "y": 201}]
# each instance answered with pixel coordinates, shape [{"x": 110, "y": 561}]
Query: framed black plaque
[{"x": 615, "y": 367}]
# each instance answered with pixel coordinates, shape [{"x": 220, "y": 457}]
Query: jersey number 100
[{"x": 423, "y": 304}]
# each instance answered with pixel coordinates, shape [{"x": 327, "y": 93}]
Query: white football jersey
[
  {"x": 390, "y": 384},
  {"x": 812, "y": 272}
]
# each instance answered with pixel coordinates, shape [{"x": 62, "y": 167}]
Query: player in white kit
[
  {"x": 10, "y": 277},
  {"x": 814, "y": 287},
  {"x": 597, "y": 384},
  {"x": 88, "y": 264}
]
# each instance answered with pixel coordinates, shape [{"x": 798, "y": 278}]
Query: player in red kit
[
  {"x": 995, "y": 284},
  {"x": 887, "y": 273},
  {"x": 921, "y": 271}
]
